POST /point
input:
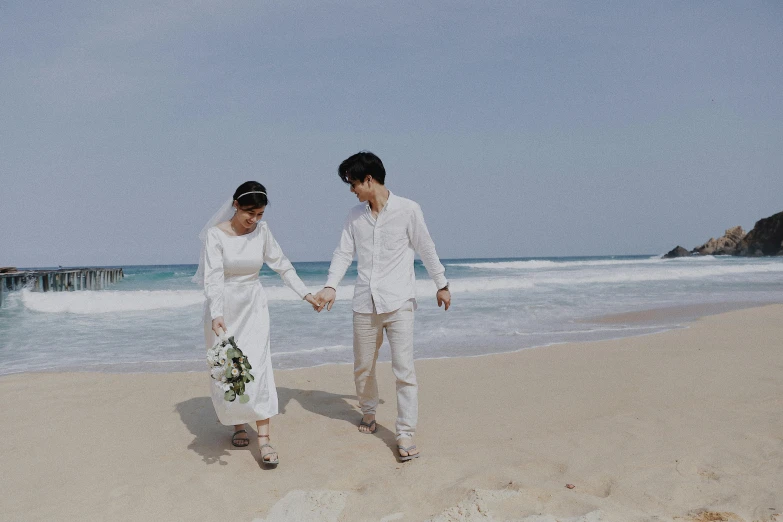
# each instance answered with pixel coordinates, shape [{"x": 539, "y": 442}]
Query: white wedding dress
[{"x": 233, "y": 290}]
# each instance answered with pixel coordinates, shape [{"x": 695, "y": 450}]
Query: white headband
[{"x": 251, "y": 192}]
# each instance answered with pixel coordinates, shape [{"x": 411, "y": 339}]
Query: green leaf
[
  {"x": 232, "y": 341},
  {"x": 231, "y": 353},
  {"x": 230, "y": 396},
  {"x": 250, "y": 377},
  {"x": 244, "y": 399}
]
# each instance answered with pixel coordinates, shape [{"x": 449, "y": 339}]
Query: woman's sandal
[
  {"x": 407, "y": 450},
  {"x": 239, "y": 442},
  {"x": 371, "y": 427},
  {"x": 270, "y": 452}
]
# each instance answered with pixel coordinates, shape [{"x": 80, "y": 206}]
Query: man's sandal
[
  {"x": 239, "y": 442},
  {"x": 407, "y": 450},
  {"x": 371, "y": 427},
  {"x": 270, "y": 452}
]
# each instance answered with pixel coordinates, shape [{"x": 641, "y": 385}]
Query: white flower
[
  {"x": 223, "y": 379},
  {"x": 234, "y": 372},
  {"x": 216, "y": 372},
  {"x": 222, "y": 361}
]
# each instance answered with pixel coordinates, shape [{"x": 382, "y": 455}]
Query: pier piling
[{"x": 61, "y": 280}]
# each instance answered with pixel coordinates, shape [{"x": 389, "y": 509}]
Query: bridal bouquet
[{"x": 230, "y": 368}]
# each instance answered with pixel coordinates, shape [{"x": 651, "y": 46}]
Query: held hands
[
  {"x": 313, "y": 301},
  {"x": 326, "y": 298},
  {"x": 444, "y": 298}
]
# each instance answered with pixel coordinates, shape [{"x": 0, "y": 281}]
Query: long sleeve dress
[{"x": 233, "y": 290}]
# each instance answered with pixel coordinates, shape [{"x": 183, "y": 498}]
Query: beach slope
[{"x": 685, "y": 425}]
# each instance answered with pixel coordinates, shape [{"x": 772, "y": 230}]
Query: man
[{"x": 383, "y": 231}]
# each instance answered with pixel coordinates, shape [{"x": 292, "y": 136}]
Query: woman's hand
[
  {"x": 218, "y": 324},
  {"x": 310, "y": 299}
]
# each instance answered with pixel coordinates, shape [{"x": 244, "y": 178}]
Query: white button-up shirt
[{"x": 385, "y": 249}]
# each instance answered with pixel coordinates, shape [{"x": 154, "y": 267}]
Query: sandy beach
[{"x": 684, "y": 425}]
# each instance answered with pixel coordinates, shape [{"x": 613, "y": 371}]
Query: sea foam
[
  {"x": 534, "y": 264},
  {"x": 108, "y": 301},
  {"x": 538, "y": 264},
  {"x": 590, "y": 272},
  {"x": 497, "y": 305}
]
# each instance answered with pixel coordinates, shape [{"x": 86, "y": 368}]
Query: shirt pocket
[{"x": 394, "y": 239}]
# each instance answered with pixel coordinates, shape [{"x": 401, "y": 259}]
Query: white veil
[{"x": 224, "y": 213}]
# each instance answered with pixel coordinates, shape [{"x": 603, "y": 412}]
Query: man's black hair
[{"x": 358, "y": 166}]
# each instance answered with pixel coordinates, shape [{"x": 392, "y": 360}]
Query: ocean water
[{"x": 152, "y": 319}]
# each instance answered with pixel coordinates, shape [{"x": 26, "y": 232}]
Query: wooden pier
[{"x": 61, "y": 280}]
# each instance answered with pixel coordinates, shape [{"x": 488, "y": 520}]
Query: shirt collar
[{"x": 391, "y": 201}]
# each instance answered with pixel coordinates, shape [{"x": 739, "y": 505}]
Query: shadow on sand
[
  {"x": 211, "y": 439},
  {"x": 333, "y": 406}
]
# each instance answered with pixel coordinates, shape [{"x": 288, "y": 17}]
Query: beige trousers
[{"x": 367, "y": 339}]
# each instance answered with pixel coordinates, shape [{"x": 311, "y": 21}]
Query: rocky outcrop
[
  {"x": 677, "y": 251},
  {"x": 724, "y": 246},
  {"x": 766, "y": 238}
]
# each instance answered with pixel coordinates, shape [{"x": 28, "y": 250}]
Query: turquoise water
[{"x": 151, "y": 320}]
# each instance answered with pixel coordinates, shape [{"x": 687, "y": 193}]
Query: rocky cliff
[
  {"x": 724, "y": 246},
  {"x": 766, "y": 239},
  {"x": 677, "y": 251}
]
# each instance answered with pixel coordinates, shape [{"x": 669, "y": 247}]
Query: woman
[{"x": 233, "y": 252}]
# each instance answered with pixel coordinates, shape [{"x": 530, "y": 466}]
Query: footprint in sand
[
  {"x": 711, "y": 516},
  {"x": 708, "y": 474},
  {"x": 313, "y": 506}
]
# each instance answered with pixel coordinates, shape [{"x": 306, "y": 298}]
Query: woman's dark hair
[
  {"x": 359, "y": 165},
  {"x": 254, "y": 199}
]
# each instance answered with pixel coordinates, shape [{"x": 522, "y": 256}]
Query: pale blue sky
[{"x": 522, "y": 128}]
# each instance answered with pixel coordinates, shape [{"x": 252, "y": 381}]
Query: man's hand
[
  {"x": 444, "y": 298},
  {"x": 326, "y": 298}
]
